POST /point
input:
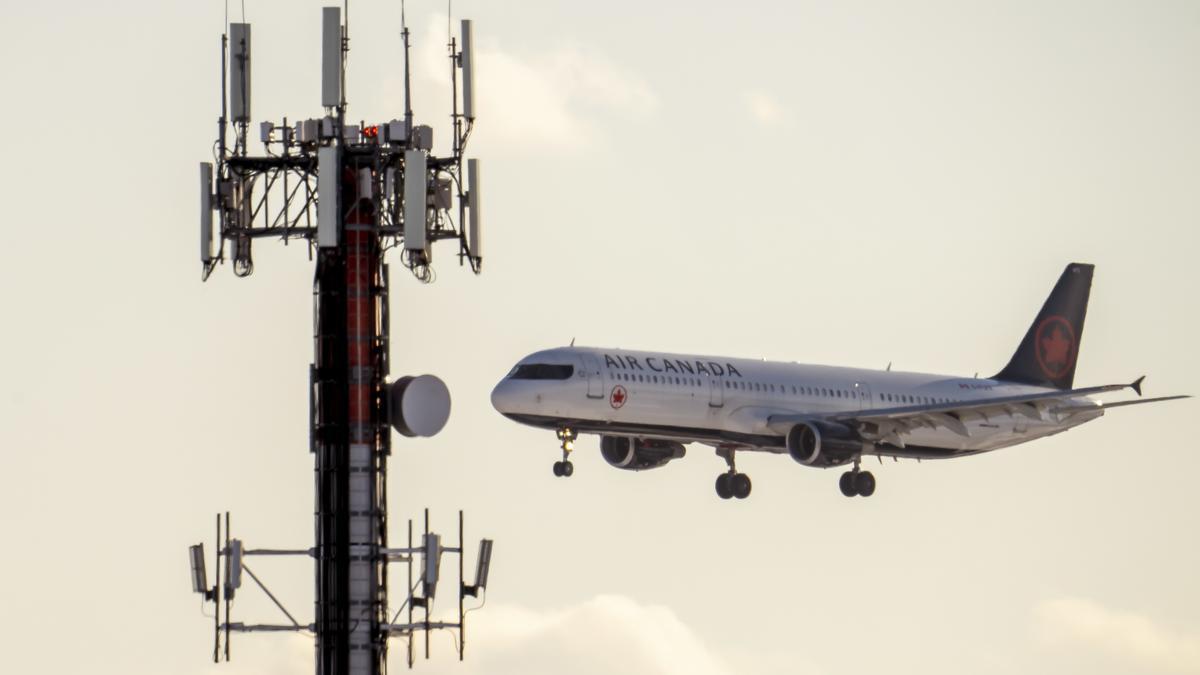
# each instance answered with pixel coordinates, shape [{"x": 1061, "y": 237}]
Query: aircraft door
[
  {"x": 716, "y": 392},
  {"x": 595, "y": 379},
  {"x": 863, "y": 392}
]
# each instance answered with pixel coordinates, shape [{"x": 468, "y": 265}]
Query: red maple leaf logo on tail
[{"x": 1055, "y": 347}]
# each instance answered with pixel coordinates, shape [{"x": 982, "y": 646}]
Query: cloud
[
  {"x": 1132, "y": 637},
  {"x": 607, "y": 634},
  {"x": 762, "y": 108},
  {"x": 560, "y": 98}
]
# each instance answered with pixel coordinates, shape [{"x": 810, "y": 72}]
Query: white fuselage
[{"x": 722, "y": 401}]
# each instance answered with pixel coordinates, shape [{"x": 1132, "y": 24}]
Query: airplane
[{"x": 647, "y": 406}]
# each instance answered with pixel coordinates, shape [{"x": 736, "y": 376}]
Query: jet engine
[
  {"x": 638, "y": 454},
  {"x": 822, "y": 444}
]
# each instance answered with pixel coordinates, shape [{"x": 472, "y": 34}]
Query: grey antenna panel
[
  {"x": 206, "y": 212},
  {"x": 239, "y": 71},
  {"x": 331, "y": 57},
  {"x": 468, "y": 70},
  {"x": 328, "y": 166},
  {"x": 415, "y": 188},
  {"x": 474, "y": 217}
]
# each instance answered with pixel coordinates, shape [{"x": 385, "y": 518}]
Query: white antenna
[
  {"x": 474, "y": 216},
  {"x": 467, "y": 62},
  {"x": 415, "y": 189},
  {"x": 239, "y": 72},
  {"x": 328, "y": 209},
  {"x": 331, "y": 57},
  {"x": 206, "y": 214}
]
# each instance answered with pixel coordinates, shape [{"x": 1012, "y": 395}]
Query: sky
[{"x": 855, "y": 183}]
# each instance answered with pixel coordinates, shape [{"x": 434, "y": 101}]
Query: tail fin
[{"x": 1050, "y": 349}]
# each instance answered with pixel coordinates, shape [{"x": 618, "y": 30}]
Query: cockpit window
[{"x": 542, "y": 371}]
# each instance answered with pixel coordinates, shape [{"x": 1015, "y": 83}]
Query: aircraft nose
[{"x": 502, "y": 396}]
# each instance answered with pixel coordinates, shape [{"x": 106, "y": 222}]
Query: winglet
[{"x": 1137, "y": 385}]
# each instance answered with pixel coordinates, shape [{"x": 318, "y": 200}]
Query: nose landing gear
[
  {"x": 857, "y": 482},
  {"x": 565, "y": 468},
  {"x": 732, "y": 484}
]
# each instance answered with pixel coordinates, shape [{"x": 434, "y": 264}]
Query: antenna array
[
  {"x": 351, "y": 192},
  {"x": 412, "y": 197}
]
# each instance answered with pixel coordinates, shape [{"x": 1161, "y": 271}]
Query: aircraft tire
[
  {"x": 567, "y": 469},
  {"x": 739, "y": 485},
  {"x": 864, "y": 483},
  {"x": 558, "y": 469},
  {"x": 847, "y": 484},
  {"x": 724, "y": 489}
]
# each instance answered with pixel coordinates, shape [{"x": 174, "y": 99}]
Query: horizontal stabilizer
[{"x": 1118, "y": 404}]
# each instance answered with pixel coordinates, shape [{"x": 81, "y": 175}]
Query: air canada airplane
[{"x": 646, "y": 406}]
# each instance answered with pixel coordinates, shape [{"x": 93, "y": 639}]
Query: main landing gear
[
  {"x": 857, "y": 482},
  {"x": 565, "y": 468},
  {"x": 732, "y": 484}
]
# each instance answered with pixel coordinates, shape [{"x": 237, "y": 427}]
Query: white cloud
[
  {"x": 1132, "y": 637},
  {"x": 608, "y": 634},
  {"x": 762, "y": 108},
  {"x": 559, "y": 98}
]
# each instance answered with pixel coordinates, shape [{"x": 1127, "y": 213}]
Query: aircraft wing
[{"x": 886, "y": 424}]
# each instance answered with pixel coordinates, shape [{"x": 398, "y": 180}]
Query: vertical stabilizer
[{"x": 1047, "y": 355}]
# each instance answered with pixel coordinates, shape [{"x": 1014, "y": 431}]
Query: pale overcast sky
[{"x": 852, "y": 183}]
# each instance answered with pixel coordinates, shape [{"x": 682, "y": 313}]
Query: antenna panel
[
  {"x": 468, "y": 70},
  {"x": 206, "y": 212},
  {"x": 239, "y": 71},
  {"x": 328, "y": 171},
  {"x": 199, "y": 574},
  {"x": 423, "y": 137},
  {"x": 431, "y": 560},
  {"x": 331, "y": 57},
  {"x": 233, "y": 566},
  {"x": 484, "y": 564},
  {"x": 474, "y": 217},
  {"x": 415, "y": 188}
]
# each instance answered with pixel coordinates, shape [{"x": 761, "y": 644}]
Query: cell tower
[{"x": 350, "y": 192}]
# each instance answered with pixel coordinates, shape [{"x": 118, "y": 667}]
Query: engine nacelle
[
  {"x": 804, "y": 443},
  {"x": 822, "y": 444},
  {"x": 639, "y": 454}
]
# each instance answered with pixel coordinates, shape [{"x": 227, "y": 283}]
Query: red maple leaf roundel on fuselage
[
  {"x": 617, "y": 398},
  {"x": 1055, "y": 347}
]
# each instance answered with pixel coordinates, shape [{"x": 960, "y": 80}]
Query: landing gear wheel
[
  {"x": 724, "y": 489},
  {"x": 847, "y": 484},
  {"x": 564, "y": 468},
  {"x": 864, "y": 483},
  {"x": 739, "y": 484}
]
